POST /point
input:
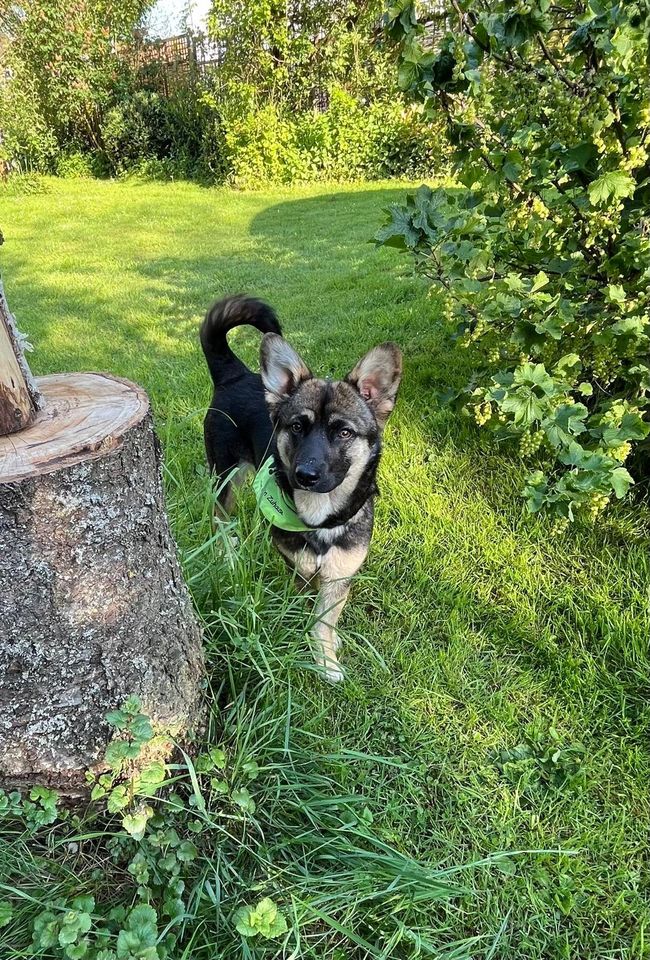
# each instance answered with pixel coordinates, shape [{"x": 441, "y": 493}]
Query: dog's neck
[{"x": 327, "y": 510}]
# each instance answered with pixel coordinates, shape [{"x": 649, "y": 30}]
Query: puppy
[{"x": 316, "y": 446}]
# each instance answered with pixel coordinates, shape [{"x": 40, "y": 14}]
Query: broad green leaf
[
  {"x": 615, "y": 183},
  {"x": 265, "y": 920},
  {"x": 118, "y": 799},
  {"x": 583, "y": 158},
  {"x": 141, "y": 728},
  {"x": 118, "y": 719},
  {"x": 6, "y": 913},
  {"x": 117, "y": 751},
  {"x": 243, "y": 799},
  {"x": 616, "y": 293},
  {"x": 540, "y": 281},
  {"x": 153, "y": 774},
  {"x": 621, "y": 481},
  {"x": 187, "y": 851},
  {"x": 135, "y": 823}
]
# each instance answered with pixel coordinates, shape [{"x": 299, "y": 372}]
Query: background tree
[
  {"x": 286, "y": 50},
  {"x": 63, "y": 62}
]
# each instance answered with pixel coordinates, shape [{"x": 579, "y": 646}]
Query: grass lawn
[{"x": 498, "y": 679}]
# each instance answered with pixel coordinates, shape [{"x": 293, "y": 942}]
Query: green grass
[{"x": 470, "y": 632}]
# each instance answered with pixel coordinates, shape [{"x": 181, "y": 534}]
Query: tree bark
[
  {"x": 19, "y": 397},
  {"x": 93, "y": 606}
]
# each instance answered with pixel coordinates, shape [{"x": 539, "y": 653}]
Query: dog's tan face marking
[{"x": 326, "y": 435}]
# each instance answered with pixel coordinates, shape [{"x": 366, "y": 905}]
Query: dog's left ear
[
  {"x": 281, "y": 367},
  {"x": 377, "y": 377}
]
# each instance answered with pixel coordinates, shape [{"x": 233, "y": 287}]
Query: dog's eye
[
  {"x": 296, "y": 426},
  {"x": 345, "y": 434}
]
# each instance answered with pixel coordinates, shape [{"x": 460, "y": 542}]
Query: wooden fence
[{"x": 175, "y": 61}]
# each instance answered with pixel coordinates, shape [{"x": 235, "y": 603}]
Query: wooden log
[
  {"x": 93, "y": 606},
  {"x": 19, "y": 397}
]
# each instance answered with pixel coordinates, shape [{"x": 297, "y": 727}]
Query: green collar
[{"x": 276, "y": 505}]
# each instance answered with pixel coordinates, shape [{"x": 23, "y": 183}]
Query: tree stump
[
  {"x": 93, "y": 606},
  {"x": 19, "y": 396}
]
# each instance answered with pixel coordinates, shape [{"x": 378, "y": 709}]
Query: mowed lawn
[{"x": 505, "y": 673}]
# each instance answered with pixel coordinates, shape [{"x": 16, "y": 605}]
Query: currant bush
[{"x": 542, "y": 245}]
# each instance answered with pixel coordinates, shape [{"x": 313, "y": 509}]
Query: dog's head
[{"x": 325, "y": 431}]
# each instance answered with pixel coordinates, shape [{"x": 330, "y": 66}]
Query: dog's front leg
[
  {"x": 329, "y": 606},
  {"x": 337, "y": 568}
]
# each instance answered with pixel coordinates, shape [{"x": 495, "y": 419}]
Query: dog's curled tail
[{"x": 223, "y": 316}]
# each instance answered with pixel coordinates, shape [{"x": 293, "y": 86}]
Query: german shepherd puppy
[{"x": 325, "y": 440}]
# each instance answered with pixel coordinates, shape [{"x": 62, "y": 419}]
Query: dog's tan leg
[
  {"x": 337, "y": 569},
  {"x": 329, "y": 606}
]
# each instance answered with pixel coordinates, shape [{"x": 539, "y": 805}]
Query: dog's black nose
[{"x": 307, "y": 476}]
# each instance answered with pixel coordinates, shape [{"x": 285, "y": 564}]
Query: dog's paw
[
  {"x": 330, "y": 669},
  {"x": 326, "y": 659},
  {"x": 333, "y": 672}
]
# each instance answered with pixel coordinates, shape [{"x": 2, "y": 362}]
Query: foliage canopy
[{"x": 543, "y": 245}]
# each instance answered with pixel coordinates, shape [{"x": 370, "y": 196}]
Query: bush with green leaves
[
  {"x": 307, "y": 92},
  {"x": 348, "y": 141},
  {"x": 61, "y": 65},
  {"x": 541, "y": 248},
  {"x": 289, "y": 52},
  {"x": 71, "y": 92}
]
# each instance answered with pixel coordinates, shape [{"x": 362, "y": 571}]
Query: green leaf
[
  {"x": 566, "y": 422},
  {"x": 219, "y": 786},
  {"x": 251, "y": 769},
  {"x": 218, "y": 757},
  {"x": 6, "y": 913},
  {"x": 132, "y": 705},
  {"x": 616, "y": 293},
  {"x": 45, "y": 930},
  {"x": 118, "y": 799},
  {"x": 242, "y": 918},
  {"x": 141, "y": 933},
  {"x": 135, "y": 823},
  {"x": 141, "y": 728},
  {"x": 614, "y": 183},
  {"x": 77, "y": 951},
  {"x": 526, "y": 409},
  {"x": 582, "y": 158},
  {"x": 264, "y": 919},
  {"x": 634, "y": 327},
  {"x": 567, "y": 364},
  {"x": 399, "y": 230},
  {"x": 243, "y": 799},
  {"x": 116, "y": 752},
  {"x": 540, "y": 281},
  {"x": 535, "y": 374},
  {"x": 621, "y": 481},
  {"x": 118, "y": 719},
  {"x": 153, "y": 775},
  {"x": 187, "y": 851},
  {"x": 67, "y": 934}
]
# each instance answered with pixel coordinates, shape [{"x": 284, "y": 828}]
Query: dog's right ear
[{"x": 282, "y": 368}]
